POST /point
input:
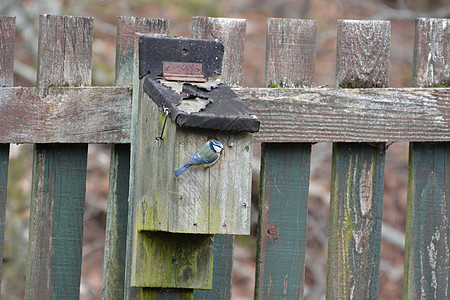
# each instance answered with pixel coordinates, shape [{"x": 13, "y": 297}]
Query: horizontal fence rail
[
  {"x": 103, "y": 114},
  {"x": 63, "y": 114}
]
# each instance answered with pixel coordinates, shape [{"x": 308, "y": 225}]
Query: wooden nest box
[{"x": 185, "y": 104}]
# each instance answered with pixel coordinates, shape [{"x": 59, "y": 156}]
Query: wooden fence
[{"x": 63, "y": 114}]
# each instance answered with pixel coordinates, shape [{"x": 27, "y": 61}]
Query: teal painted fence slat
[
  {"x": 282, "y": 221},
  {"x": 427, "y": 257},
  {"x": 7, "y": 35},
  {"x": 222, "y": 270},
  {"x": 4, "y": 162},
  {"x": 231, "y": 32},
  {"x": 56, "y": 222},
  {"x": 116, "y": 223},
  {"x": 356, "y": 204},
  {"x": 427, "y": 246},
  {"x": 59, "y": 170},
  {"x": 114, "y": 285},
  {"x": 357, "y": 180},
  {"x": 284, "y": 182}
]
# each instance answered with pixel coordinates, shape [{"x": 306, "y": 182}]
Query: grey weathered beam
[
  {"x": 65, "y": 115},
  {"x": 350, "y": 115},
  {"x": 103, "y": 114}
]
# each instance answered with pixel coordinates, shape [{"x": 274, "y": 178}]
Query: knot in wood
[{"x": 272, "y": 231}]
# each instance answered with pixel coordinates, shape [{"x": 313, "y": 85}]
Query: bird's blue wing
[{"x": 203, "y": 155}]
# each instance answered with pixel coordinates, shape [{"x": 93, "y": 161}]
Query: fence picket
[
  {"x": 427, "y": 258},
  {"x": 357, "y": 176},
  {"x": 7, "y": 34},
  {"x": 231, "y": 32},
  {"x": 59, "y": 171},
  {"x": 116, "y": 284},
  {"x": 280, "y": 261}
]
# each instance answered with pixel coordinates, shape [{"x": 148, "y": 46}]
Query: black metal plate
[{"x": 153, "y": 50}]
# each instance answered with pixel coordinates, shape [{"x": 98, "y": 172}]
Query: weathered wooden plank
[
  {"x": 350, "y": 115},
  {"x": 362, "y": 54},
  {"x": 56, "y": 222},
  {"x": 116, "y": 223},
  {"x": 431, "y": 53},
  {"x": 354, "y": 236},
  {"x": 284, "y": 179},
  {"x": 115, "y": 285},
  {"x": 427, "y": 256},
  {"x": 232, "y": 34},
  {"x": 65, "y": 51},
  {"x": 59, "y": 173},
  {"x": 4, "y": 161},
  {"x": 357, "y": 175},
  {"x": 282, "y": 222},
  {"x": 427, "y": 248},
  {"x": 290, "y": 53},
  {"x": 167, "y": 294},
  {"x": 222, "y": 270},
  {"x": 173, "y": 260},
  {"x": 7, "y": 35},
  {"x": 65, "y": 115},
  {"x": 287, "y": 115}
]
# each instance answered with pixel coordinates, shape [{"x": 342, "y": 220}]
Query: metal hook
[{"x": 166, "y": 112}]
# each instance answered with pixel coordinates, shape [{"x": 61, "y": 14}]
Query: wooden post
[
  {"x": 59, "y": 171},
  {"x": 7, "y": 35},
  {"x": 357, "y": 181},
  {"x": 427, "y": 250},
  {"x": 290, "y": 53},
  {"x": 115, "y": 285},
  {"x": 231, "y": 32},
  {"x": 282, "y": 222}
]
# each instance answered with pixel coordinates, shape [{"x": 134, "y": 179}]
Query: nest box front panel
[{"x": 202, "y": 200}]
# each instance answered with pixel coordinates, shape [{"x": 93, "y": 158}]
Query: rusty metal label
[{"x": 183, "y": 71}]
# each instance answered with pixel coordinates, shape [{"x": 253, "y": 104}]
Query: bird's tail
[{"x": 181, "y": 170}]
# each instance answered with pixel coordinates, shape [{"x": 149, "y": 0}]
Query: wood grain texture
[
  {"x": 427, "y": 250},
  {"x": 115, "y": 259},
  {"x": 431, "y": 53},
  {"x": 231, "y": 32},
  {"x": 357, "y": 176},
  {"x": 4, "y": 162},
  {"x": 290, "y": 53},
  {"x": 350, "y": 115},
  {"x": 116, "y": 223},
  {"x": 427, "y": 255},
  {"x": 222, "y": 270},
  {"x": 59, "y": 173},
  {"x": 167, "y": 294},
  {"x": 65, "y": 115},
  {"x": 7, "y": 35},
  {"x": 284, "y": 179},
  {"x": 212, "y": 200},
  {"x": 65, "y": 51},
  {"x": 362, "y": 54},
  {"x": 173, "y": 260},
  {"x": 56, "y": 222},
  {"x": 354, "y": 236},
  {"x": 282, "y": 221},
  {"x": 287, "y": 115}
]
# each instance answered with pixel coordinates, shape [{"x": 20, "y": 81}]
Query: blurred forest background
[{"x": 401, "y": 13}]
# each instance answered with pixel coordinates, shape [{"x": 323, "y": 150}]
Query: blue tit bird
[{"x": 205, "y": 156}]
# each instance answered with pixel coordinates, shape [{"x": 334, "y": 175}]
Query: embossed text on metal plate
[{"x": 183, "y": 71}]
